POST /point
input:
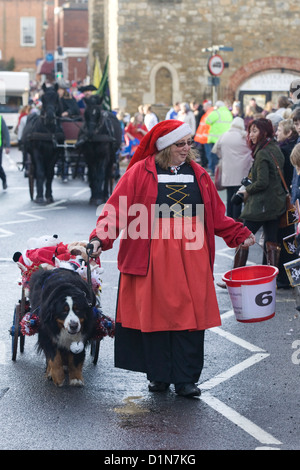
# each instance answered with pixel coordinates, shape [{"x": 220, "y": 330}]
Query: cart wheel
[
  {"x": 95, "y": 346},
  {"x": 22, "y": 343},
  {"x": 31, "y": 177},
  {"x": 15, "y": 331}
]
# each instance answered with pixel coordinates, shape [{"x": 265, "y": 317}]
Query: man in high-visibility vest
[
  {"x": 201, "y": 136},
  {"x": 4, "y": 141},
  {"x": 219, "y": 121}
]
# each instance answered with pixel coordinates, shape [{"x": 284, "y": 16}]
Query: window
[{"x": 28, "y": 31}]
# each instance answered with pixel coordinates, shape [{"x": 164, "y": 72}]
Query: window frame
[{"x": 32, "y": 30}]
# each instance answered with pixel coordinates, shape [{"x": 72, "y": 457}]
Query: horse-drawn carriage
[{"x": 50, "y": 141}]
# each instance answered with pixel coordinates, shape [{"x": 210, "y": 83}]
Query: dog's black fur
[{"x": 50, "y": 295}]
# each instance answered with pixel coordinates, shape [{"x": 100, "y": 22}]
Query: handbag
[
  {"x": 290, "y": 216},
  {"x": 218, "y": 176}
]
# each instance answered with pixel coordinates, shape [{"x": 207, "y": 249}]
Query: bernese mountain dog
[{"x": 64, "y": 304}]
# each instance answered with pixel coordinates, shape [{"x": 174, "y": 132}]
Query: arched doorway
[
  {"x": 162, "y": 76},
  {"x": 265, "y": 86},
  {"x": 163, "y": 87},
  {"x": 266, "y": 78}
]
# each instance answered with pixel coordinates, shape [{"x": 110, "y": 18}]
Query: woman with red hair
[{"x": 265, "y": 198}]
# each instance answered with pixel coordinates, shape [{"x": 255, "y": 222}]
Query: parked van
[{"x": 14, "y": 94}]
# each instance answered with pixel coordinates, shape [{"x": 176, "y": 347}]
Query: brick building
[
  {"x": 33, "y": 30},
  {"x": 155, "y": 48},
  {"x": 66, "y": 39},
  {"x": 21, "y": 33}
]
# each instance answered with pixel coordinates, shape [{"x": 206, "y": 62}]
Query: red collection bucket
[{"x": 252, "y": 291}]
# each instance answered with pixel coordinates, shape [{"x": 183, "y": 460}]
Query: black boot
[
  {"x": 241, "y": 256},
  {"x": 273, "y": 253}
]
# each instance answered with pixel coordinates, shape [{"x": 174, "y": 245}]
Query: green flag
[{"x": 103, "y": 89}]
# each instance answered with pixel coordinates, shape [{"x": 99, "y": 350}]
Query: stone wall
[{"x": 159, "y": 45}]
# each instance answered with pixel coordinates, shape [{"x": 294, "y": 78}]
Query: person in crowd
[
  {"x": 150, "y": 118},
  {"x": 275, "y": 120},
  {"x": 295, "y": 191},
  {"x": 201, "y": 136},
  {"x": 287, "y": 137},
  {"x": 235, "y": 154},
  {"x": 236, "y": 109},
  {"x": 268, "y": 109},
  {"x": 23, "y": 112},
  {"x": 253, "y": 104},
  {"x": 86, "y": 91},
  {"x": 121, "y": 119},
  {"x": 164, "y": 257},
  {"x": 4, "y": 143},
  {"x": 197, "y": 109},
  {"x": 282, "y": 105},
  {"x": 295, "y": 158},
  {"x": 265, "y": 197},
  {"x": 219, "y": 121},
  {"x": 134, "y": 132},
  {"x": 22, "y": 120},
  {"x": 248, "y": 115},
  {"x": 68, "y": 104},
  {"x": 186, "y": 115},
  {"x": 173, "y": 112}
]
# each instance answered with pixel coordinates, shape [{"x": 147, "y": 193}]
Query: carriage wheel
[
  {"x": 31, "y": 176},
  {"x": 22, "y": 343},
  {"x": 95, "y": 346},
  {"x": 15, "y": 331}
]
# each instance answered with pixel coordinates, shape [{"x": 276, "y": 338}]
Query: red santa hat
[{"x": 161, "y": 136}]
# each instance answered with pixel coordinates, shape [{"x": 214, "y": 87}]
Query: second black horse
[{"x": 99, "y": 139}]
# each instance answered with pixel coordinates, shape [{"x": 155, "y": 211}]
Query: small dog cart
[{"x": 26, "y": 323}]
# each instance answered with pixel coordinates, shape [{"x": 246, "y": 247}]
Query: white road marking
[
  {"x": 232, "y": 371},
  {"x": 31, "y": 216},
  {"x": 248, "y": 426},
  {"x": 5, "y": 233},
  {"x": 227, "y": 314},
  {"x": 236, "y": 339}
]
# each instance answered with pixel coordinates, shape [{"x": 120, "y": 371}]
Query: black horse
[
  {"x": 40, "y": 137},
  {"x": 98, "y": 140}
]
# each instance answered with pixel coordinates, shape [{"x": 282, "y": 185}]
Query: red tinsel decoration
[
  {"x": 29, "y": 324},
  {"x": 105, "y": 326}
]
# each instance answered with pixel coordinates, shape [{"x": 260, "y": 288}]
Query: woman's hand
[
  {"x": 249, "y": 241},
  {"x": 97, "y": 250}
]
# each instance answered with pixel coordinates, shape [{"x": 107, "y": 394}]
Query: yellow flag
[{"x": 97, "y": 73}]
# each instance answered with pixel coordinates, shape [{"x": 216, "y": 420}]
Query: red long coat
[{"x": 139, "y": 185}]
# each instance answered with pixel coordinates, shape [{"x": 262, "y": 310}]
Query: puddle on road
[{"x": 130, "y": 407}]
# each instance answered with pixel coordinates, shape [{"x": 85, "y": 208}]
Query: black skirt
[{"x": 165, "y": 356}]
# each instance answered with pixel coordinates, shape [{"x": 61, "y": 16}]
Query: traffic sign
[
  {"x": 215, "y": 65},
  {"x": 49, "y": 57}
]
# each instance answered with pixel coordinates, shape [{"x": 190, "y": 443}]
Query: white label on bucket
[{"x": 253, "y": 301}]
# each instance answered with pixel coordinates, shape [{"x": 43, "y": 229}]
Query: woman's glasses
[{"x": 182, "y": 144}]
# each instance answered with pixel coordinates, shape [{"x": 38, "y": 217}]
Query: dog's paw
[{"x": 76, "y": 383}]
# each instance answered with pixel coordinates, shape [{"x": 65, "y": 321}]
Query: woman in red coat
[{"x": 170, "y": 212}]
